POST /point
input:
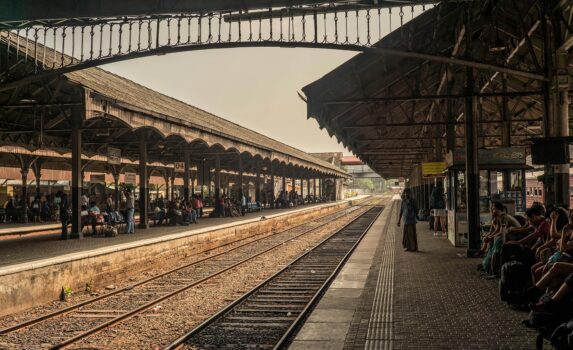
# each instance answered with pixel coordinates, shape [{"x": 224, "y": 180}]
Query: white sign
[
  {"x": 113, "y": 155},
  {"x": 97, "y": 178},
  {"x": 179, "y": 167},
  {"x": 129, "y": 178}
]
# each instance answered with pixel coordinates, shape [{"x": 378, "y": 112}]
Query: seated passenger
[
  {"x": 523, "y": 249},
  {"x": 93, "y": 213},
  {"x": 502, "y": 222}
]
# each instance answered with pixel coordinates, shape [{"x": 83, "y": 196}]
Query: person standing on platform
[
  {"x": 130, "y": 207},
  {"x": 438, "y": 204},
  {"x": 243, "y": 204},
  {"x": 408, "y": 210},
  {"x": 64, "y": 213}
]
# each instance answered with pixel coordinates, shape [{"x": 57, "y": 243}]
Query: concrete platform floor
[
  {"x": 32, "y": 247},
  {"x": 385, "y": 298}
]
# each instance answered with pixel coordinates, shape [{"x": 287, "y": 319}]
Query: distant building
[{"x": 334, "y": 158}]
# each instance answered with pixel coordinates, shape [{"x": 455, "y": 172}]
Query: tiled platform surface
[
  {"x": 386, "y": 298},
  {"x": 29, "y": 248}
]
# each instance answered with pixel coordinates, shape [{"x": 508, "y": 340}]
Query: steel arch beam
[{"x": 346, "y": 47}]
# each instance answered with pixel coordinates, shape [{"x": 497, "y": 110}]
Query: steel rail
[
  {"x": 71, "y": 308},
  {"x": 180, "y": 342},
  {"x": 149, "y": 304}
]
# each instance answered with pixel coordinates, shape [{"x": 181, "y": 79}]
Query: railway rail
[
  {"x": 64, "y": 327},
  {"x": 269, "y": 314}
]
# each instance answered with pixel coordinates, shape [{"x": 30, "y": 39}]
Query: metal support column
[
  {"x": 314, "y": 186},
  {"x": 193, "y": 185},
  {"x": 217, "y": 179},
  {"x": 505, "y": 131},
  {"x": 115, "y": 175},
  {"x": 271, "y": 169},
  {"x": 172, "y": 185},
  {"x": 166, "y": 178},
  {"x": 240, "y": 180},
  {"x": 308, "y": 186},
  {"x": 37, "y": 168},
  {"x": 209, "y": 187},
  {"x": 186, "y": 173},
  {"x": 75, "y": 201},
  {"x": 472, "y": 173},
  {"x": 143, "y": 181},
  {"x": 283, "y": 173},
  {"x": 258, "y": 182},
  {"x": 24, "y": 202}
]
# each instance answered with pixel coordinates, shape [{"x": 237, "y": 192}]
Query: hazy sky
[{"x": 255, "y": 87}]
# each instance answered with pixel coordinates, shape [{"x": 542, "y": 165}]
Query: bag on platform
[
  {"x": 515, "y": 277},
  {"x": 562, "y": 337},
  {"x": 111, "y": 231}
]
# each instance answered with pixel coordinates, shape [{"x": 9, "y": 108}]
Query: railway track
[
  {"x": 68, "y": 326},
  {"x": 268, "y": 315}
]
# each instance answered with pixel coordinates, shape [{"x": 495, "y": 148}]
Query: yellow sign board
[{"x": 433, "y": 168}]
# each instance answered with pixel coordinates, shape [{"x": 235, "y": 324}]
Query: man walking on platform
[{"x": 408, "y": 210}]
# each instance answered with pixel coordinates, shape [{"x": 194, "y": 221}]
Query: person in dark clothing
[
  {"x": 64, "y": 215},
  {"x": 408, "y": 211}
]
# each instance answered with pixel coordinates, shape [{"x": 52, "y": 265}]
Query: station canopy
[
  {"x": 115, "y": 111},
  {"x": 386, "y": 109}
]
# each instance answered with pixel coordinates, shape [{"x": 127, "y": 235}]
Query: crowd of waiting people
[
  {"x": 533, "y": 257},
  {"x": 177, "y": 211},
  {"x": 38, "y": 210},
  {"x": 288, "y": 199}
]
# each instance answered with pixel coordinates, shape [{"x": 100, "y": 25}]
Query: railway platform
[
  {"x": 385, "y": 298},
  {"x": 35, "y": 267}
]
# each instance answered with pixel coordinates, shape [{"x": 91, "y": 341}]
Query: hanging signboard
[
  {"x": 113, "y": 155},
  {"x": 179, "y": 167},
  {"x": 129, "y": 178},
  {"x": 431, "y": 169},
  {"x": 97, "y": 178},
  {"x": 492, "y": 156}
]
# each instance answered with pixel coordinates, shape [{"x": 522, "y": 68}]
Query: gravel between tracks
[
  {"x": 159, "y": 266},
  {"x": 156, "y": 329}
]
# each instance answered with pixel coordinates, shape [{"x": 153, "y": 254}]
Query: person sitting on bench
[{"x": 93, "y": 213}]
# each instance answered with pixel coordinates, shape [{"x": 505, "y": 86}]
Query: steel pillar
[
  {"x": 314, "y": 186},
  {"x": 186, "y": 174},
  {"x": 271, "y": 169},
  {"x": 115, "y": 175},
  {"x": 172, "y": 178},
  {"x": 505, "y": 132},
  {"x": 472, "y": 173},
  {"x": 308, "y": 186},
  {"x": 24, "y": 202},
  {"x": 75, "y": 201},
  {"x": 192, "y": 186},
  {"x": 258, "y": 183},
  {"x": 284, "y": 178},
  {"x": 37, "y": 168},
  {"x": 217, "y": 179},
  {"x": 166, "y": 179},
  {"x": 143, "y": 181},
  {"x": 240, "y": 180}
]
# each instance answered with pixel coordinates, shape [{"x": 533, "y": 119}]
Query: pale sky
[{"x": 254, "y": 87}]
